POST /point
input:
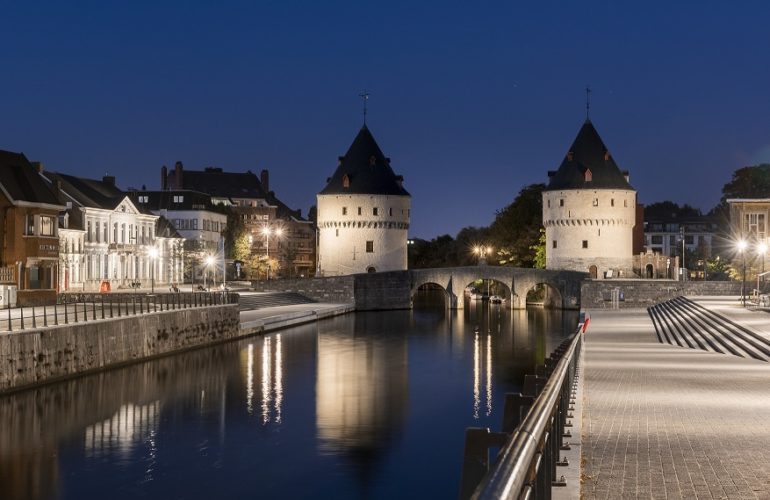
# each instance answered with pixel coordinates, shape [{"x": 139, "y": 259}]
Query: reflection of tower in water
[
  {"x": 482, "y": 360},
  {"x": 361, "y": 386}
]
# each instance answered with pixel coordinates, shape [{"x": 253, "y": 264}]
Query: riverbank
[
  {"x": 663, "y": 421},
  {"x": 270, "y": 319}
]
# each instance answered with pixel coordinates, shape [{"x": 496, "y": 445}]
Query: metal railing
[
  {"x": 84, "y": 307},
  {"x": 533, "y": 431}
]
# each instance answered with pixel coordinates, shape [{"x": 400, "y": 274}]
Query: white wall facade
[
  {"x": 348, "y": 227},
  {"x": 585, "y": 228}
]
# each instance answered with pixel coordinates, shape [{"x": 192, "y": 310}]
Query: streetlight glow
[{"x": 742, "y": 245}]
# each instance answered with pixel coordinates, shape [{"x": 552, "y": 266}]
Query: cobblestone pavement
[{"x": 661, "y": 421}]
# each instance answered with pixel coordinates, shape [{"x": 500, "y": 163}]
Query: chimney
[
  {"x": 177, "y": 175},
  {"x": 109, "y": 180},
  {"x": 163, "y": 178},
  {"x": 38, "y": 166},
  {"x": 264, "y": 177}
]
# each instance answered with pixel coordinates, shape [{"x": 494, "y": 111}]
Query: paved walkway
[
  {"x": 269, "y": 319},
  {"x": 669, "y": 422}
]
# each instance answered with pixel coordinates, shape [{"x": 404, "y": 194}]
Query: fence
[
  {"x": 82, "y": 307},
  {"x": 533, "y": 430}
]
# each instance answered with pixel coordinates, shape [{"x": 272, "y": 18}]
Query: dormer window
[
  {"x": 588, "y": 175},
  {"x": 345, "y": 181},
  {"x": 606, "y": 156},
  {"x": 570, "y": 156},
  {"x": 372, "y": 161}
]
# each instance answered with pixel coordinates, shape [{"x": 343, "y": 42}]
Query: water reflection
[
  {"x": 361, "y": 385},
  {"x": 120, "y": 433}
]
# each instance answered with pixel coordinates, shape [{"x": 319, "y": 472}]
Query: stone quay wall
[
  {"x": 50, "y": 353},
  {"x": 367, "y": 291},
  {"x": 645, "y": 293},
  {"x": 333, "y": 289}
]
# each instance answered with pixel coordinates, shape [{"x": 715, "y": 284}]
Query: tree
[
  {"x": 669, "y": 210},
  {"x": 539, "y": 250},
  {"x": 515, "y": 232},
  {"x": 236, "y": 238}
]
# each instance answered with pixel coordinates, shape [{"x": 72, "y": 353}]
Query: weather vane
[
  {"x": 365, "y": 96},
  {"x": 588, "y": 101}
]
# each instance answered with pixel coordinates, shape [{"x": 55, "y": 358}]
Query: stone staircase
[
  {"x": 251, "y": 301},
  {"x": 682, "y": 322}
]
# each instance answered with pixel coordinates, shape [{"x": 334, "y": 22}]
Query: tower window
[
  {"x": 344, "y": 210},
  {"x": 553, "y": 244},
  {"x": 375, "y": 211},
  {"x": 561, "y": 202},
  {"x": 359, "y": 211},
  {"x": 585, "y": 243},
  {"x": 369, "y": 247},
  {"x": 596, "y": 202},
  {"x": 588, "y": 175},
  {"x": 336, "y": 232},
  {"x": 390, "y": 212},
  {"x": 625, "y": 203},
  {"x": 549, "y": 203},
  {"x": 612, "y": 202},
  {"x": 345, "y": 181}
]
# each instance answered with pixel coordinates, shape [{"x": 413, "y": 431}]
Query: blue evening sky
[{"x": 471, "y": 100}]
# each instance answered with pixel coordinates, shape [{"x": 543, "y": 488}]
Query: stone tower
[
  {"x": 589, "y": 211},
  {"x": 363, "y": 213}
]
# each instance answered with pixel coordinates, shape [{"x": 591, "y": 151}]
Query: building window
[
  {"x": 375, "y": 211},
  {"x": 29, "y": 225},
  {"x": 105, "y": 233},
  {"x": 96, "y": 233},
  {"x": 360, "y": 211},
  {"x": 390, "y": 212},
  {"x": 336, "y": 232},
  {"x": 114, "y": 232},
  {"x": 596, "y": 202},
  {"x": 585, "y": 243},
  {"x": 561, "y": 202},
  {"x": 689, "y": 239},
  {"x": 553, "y": 244},
  {"x": 345, "y": 181},
  {"x": 754, "y": 223},
  {"x": 625, "y": 203},
  {"x": 344, "y": 210},
  {"x": 47, "y": 226},
  {"x": 672, "y": 240},
  {"x": 549, "y": 203},
  {"x": 143, "y": 199},
  {"x": 88, "y": 233},
  {"x": 656, "y": 239},
  {"x": 612, "y": 202},
  {"x": 369, "y": 247},
  {"x": 178, "y": 198}
]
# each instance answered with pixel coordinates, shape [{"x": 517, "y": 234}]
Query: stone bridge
[
  {"x": 396, "y": 289},
  {"x": 562, "y": 287}
]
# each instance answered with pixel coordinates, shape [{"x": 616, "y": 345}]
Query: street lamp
[
  {"x": 153, "y": 256},
  {"x": 482, "y": 253},
  {"x": 267, "y": 232},
  {"x": 742, "y": 250},
  {"x": 209, "y": 261}
]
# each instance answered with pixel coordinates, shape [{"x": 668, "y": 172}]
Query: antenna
[
  {"x": 588, "y": 101},
  {"x": 365, "y": 97}
]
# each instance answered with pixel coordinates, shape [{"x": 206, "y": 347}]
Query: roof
[
  {"x": 364, "y": 170},
  {"x": 220, "y": 184},
  {"x": 165, "y": 229},
  {"x": 177, "y": 199},
  {"x": 89, "y": 192},
  {"x": 21, "y": 181},
  {"x": 588, "y": 152}
]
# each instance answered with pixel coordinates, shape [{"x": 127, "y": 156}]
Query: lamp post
[
  {"x": 684, "y": 272},
  {"x": 209, "y": 261},
  {"x": 153, "y": 256},
  {"x": 742, "y": 249},
  {"x": 267, "y": 232},
  {"x": 482, "y": 253},
  {"x": 761, "y": 250}
]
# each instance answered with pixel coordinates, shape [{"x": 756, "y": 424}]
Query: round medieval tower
[
  {"x": 589, "y": 211},
  {"x": 363, "y": 213}
]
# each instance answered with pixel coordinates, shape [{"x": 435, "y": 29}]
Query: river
[{"x": 367, "y": 405}]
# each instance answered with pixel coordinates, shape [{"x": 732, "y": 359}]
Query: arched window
[{"x": 345, "y": 181}]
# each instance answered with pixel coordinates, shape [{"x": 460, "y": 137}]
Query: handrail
[{"x": 514, "y": 466}]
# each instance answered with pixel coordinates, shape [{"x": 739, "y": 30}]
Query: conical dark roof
[
  {"x": 364, "y": 170},
  {"x": 588, "y": 153}
]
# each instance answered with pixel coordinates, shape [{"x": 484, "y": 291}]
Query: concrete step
[
  {"x": 252, "y": 301},
  {"x": 682, "y": 322}
]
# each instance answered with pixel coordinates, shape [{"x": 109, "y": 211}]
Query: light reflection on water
[{"x": 363, "y": 405}]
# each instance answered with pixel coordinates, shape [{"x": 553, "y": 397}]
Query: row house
[
  {"x": 193, "y": 216},
  {"x": 274, "y": 229},
  {"x": 108, "y": 242},
  {"x": 29, "y": 210}
]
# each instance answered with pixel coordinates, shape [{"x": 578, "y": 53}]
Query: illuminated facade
[{"x": 363, "y": 214}]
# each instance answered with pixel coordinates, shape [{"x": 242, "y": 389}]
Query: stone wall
[
  {"x": 46, "y": 354},
  {"x": 645, "y": 293},
  {"x": 383, "y": 291},
  {"x": 334, "y": 289}
]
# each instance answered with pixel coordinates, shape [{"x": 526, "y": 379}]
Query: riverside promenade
[{"x": 662, "y": 421}]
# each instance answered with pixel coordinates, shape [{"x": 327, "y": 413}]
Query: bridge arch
[{"x": 429, "y": 285}]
